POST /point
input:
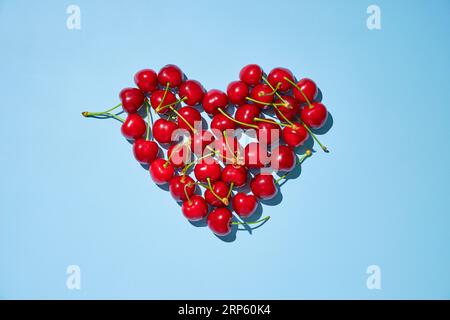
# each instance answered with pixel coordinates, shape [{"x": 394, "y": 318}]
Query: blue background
[{"x": 72, "y": 193}]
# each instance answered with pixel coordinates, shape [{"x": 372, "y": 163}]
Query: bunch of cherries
[{"x": 214, "y": 159}]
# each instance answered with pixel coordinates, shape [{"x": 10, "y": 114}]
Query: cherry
[
  {"x": 244, "y": 204},
  {"x": 221, "y": 123},
  {"x": 214, "y": 100},
  {"x": 237, "y": 92},
  {"x": 217, "y": 194},
  {"x": 200, "y": 140},
  {"x": 235, "y": 174},
  {"x": 219, "y": 221},
  {"x": 277, "y": 79},
  {"x": 263, "y": 186},
  {"x": 133, "y": 127},
  {"x": 163, "y": 130},
  {"x": 146, "y": 80},
  {"x": 145, "y": 151},
  {"x": 314, "y": 115},
  {"x": 283, "y": 158},
  {"x": 262, "y": 95},
  {"x": 251, "y": 74},
  {"x": 161, "y": 99},
  {"x": 188, "y": 118},
  {"x": 288, "y": 108},
  {"x": 255, "y": 155},
  {"x": 170, "y": 74},
  {"x": 132, "y": 99},
  {"x": 246, "y": 114},
  {"x": 179, "y": 155},
  {"x": 181, "y": 187},
  {"x": 305, "y": 91},
  {"x": 295, "y": 135},
  {"x": 192, "y": 92},
  {"x": 207, "y": 168},
  {"x": 161, "y": 171},
  {"x": 267, "y": 132},
  {"x": 195, "y": 208}
]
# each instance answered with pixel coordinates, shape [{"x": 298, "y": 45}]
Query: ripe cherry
[
  {"x": 263, "y": 186},
  {"x": 277, "y": 79},
  {"x": 188, "y": 118},
  {"x": 200, "y": 140},
  {"x": 132, "y": 99},
  {"x": 244, "y": 204},
  {"x": 246, "y": 114},
  {"x": 251, "y": 74},
  {"x": 262, "y": 95},
  {"x": 288, "y": 108},
  {"x": 207, "y": 168},
  {"x": 221, "y": 123},
  {"x": 170, "y": 74},
  {"x": 295, "y": 136},
  {"x": 219, "y": 221},
  {"x": 146, "y": 80},
  {"x": 283, "y": 158},
  {"x": 255, "y": 155},
  {"x": 219, "y": 197},
  {"x": 195, "y": 208},
  {"x": 145, "y": 151},
  {"x": 179, "y": 155},
  {"x": 160, "y": 100},
  {"x": 214, "y": 100},
  {"x": 268, "y": 132},
  {"x": 133, "y": 127},
  {"x": 235, "y": 174},
  {"x": 237, "y": 92},
  {"x": 161, "y": 171},
  {"x": 181, "y": 187},
  {"x": 314, "y": 115},
  {"x": 309, "y": 89},
  {"x": 163, "y": 130},
  {"x": 192, "y": 92}
]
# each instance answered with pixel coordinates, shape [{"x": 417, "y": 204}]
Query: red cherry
[
  {"x": 161, "y": 171},
  {"x": 195, "y": 209},
  {"x": 235, "y": 174},
  {"x": 255, "y": 155},
  {"x": 263, "y": 93},
  {"x": 244, "y": 204},
  {"x": 191, "y": 116},
  {"x": 200, "y": 140},
  {"x": 268, "y": 132},
  {"x": 133, "y": 127},
  {"x": 263, "y": 186},
  {"x": 295, "y": 136},
  {"x": 163, "y": 130},
  {"x": 145, "y": 151},
  {"x": 221, "y": 123},
  {"x": 315, "y": 115},
  {"x": 192, "y": 91},
  {"x": 207, "y": 168},
  {"x": 214, "y": 100},
  {"x": 246, "y": 114},
  {"x": 220, "y": 189},
  {"x": 170, "y": 74},
  {"x": 179, "y": 155},
  {"x": 132, "y": 99},
  {"x": 283, "y": 159},
  {"x": 289, "y": 108},
  {"x": 237, "y": 91},
  {"x": 180, "y": 185},
  {"x": 219, "y": 221},
  {"x": 277, "y": 79},
  {"x": 157, "y": 102},
  {"x": 309, "y": 89},
  {"x": 251, "y": 74},
  {"x": 146, "y": 80}
]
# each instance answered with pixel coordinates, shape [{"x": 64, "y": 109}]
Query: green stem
[
  {"x": 251, "y": 222},
  {"x": 147, "y": 136},
  {"x": 231, "y": 189},
  {"x": 186, "y": 167},
  {"x": 277, "y": 94},
  {"x": 299, "y": 161},
  {"x": 238, "y": 122},
  {"x": 224, "y": 200},
  {"x": 92, "y": 114},
  {"x": 324, "y": 148},
  {"x": 299, "y": 89},
  {"x": 273, "y": 121}
]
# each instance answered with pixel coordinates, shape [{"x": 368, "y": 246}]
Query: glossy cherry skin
[
  {"x": 221, "y": 123},
  {"x": 235, "y": 174},
  {"x": 251, "y": 74},
  {"x": 133, "y": 127},
  {"x": 145, "y": 151},
  {"x": 195, "y": 209},
  {"x": 132, "y": 99},
  {"x": 161, "y": 171},
  {"x": 283, "y": 158},
  {"x": 179, "y": 184},
  {"x": 192, "y": 91},
  {"x": 255, "y": 155},
  {"x": 219, "y": 221},
  {"x": 264, "y": 93},
  {"x": 156, "y": 100},
  {"x": 170, "y": 74},
  {"x": 163, "y": 130},
  {"x": 268, "y": 132},
  {"x": 290, "y": 110},
  {"x": 309, "y": 89},
  {"x": 314, "y": 116},
  {"x": 295, "y": 136},
  {"x": 191, "y": 115},
  {"x": 214, "y": 100},
  {"x": 277, "y": 79},
  {"x": 200, "y": 140},
  {"x": 263, "y": 186},
  {"x": 207, "y": 168},
  {"x": 179, "y": 155},
  {"x": 246, "y": 114},
  {"x": 146, "y": 80},
  {"x": 237, "y": 91},
  {"x": 244, "y": 204},
  {"x": 221, "y": 190}
]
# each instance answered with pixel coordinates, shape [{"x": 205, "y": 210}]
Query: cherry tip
[{"x": 85, "y": 113}]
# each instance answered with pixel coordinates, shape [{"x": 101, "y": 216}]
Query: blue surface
[{"x": 72, "y": 193}]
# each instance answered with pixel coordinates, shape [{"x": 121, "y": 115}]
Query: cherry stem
[
  {"x": 324, "y": 148},
  {"x": 185, "y": 192},
  {"x": 91, "y": 114},
  {"x": 147, "y": 135},
  {"x": 273, "y": 121},
  {"x": 299, "y": 161},
  {"x": 216, "y": 152},
  {"x": 299, "y": 89},
  {"x": 164, "y": 97},
  {"x": 275, "y": 90},
  {"x": 231, "y": 189},
  {"x": 283, "y": 116},
  {"x": 265, "y": 103},
  {"x": 186, "y": 167},
  {"x": 183, "y": 118},
  {"x": 227, "y": 143},
  {"x": 238, "y": 122},
  {"x": 224, "y": 200},
  {"x": 158, "y": 109},
  {"x": 251, "y": 222}
]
